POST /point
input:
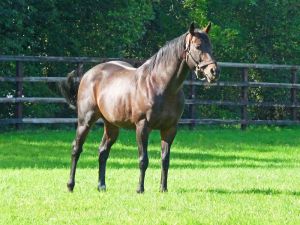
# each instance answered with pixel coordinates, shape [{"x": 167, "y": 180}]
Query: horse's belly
[
  {"x": 117, "y": 110},
  {"x": 116, "y": 107}
]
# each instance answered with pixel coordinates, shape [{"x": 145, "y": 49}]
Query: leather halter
[{"x": 198, "y": 65}]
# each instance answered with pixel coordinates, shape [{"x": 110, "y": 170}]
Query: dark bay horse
[{"x": 144, "y": 98}]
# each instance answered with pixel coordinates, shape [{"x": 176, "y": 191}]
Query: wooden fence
[{"x": 244, "y": 86}]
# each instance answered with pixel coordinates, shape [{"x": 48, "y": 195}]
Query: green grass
[{"x": 217, "y": 176}]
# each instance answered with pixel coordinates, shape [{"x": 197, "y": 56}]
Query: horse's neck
[{"x": 169, "y": 78}]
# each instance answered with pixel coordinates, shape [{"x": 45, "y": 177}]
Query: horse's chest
[{"x": 165, "y": 112}]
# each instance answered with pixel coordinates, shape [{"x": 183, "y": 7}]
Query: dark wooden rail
[{"x": 244, "y": 86}]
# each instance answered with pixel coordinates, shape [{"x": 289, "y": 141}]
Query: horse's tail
[{"x": 69, "y": 89}]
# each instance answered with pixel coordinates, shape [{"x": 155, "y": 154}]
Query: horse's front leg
[
  {"x": 142, "y": 134},
  {"x": 167, "y": 137}
]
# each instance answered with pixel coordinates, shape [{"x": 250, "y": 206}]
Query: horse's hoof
[
  {"x": 162, "y": 190},
  {"x": 102, "y": 188},
  {"x": 140, "y": 191},
  {"x": 70, "y": 186}
]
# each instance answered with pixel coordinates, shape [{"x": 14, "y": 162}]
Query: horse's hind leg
[
  {"x": 85, "y": 121},
  {"x": 110, "y": 135}
]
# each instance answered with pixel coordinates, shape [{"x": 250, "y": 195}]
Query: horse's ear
[
  {"x": 207, "y": 28},
  {"x": 192, "y": 28}
]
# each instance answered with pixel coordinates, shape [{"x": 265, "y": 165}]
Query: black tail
[{"x": 69, "y": 89}]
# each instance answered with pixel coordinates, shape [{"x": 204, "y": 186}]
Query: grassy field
[{"x": 217, "y": 176}]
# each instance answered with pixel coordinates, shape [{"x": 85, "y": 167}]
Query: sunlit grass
[{"x": 217, "y": 176}]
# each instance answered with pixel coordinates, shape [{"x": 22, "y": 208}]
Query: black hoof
[
  {"x": 102, "y": 188},
  {"x": 70, "y": 186},
  {"x": 140, "y": 190},
  {"x": 163, "y": 190}
]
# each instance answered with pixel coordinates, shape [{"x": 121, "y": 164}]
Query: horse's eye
[{"x": 198, "y": 47}]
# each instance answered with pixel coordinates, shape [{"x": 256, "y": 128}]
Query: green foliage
[
  {"x": 253, "y": 32},
  {"x": 76, "y": 28},
  {"x": 216, "y": 176},
  {"x": 262, "y": 31}
]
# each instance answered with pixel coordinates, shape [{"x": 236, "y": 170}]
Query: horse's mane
[{"x": 172, "y": 49}]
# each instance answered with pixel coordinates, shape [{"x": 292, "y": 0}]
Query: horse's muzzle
[
  {"x": 214, "y": 75},
  {"x": 210, "y": 75}
]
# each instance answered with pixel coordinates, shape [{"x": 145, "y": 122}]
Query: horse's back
[
  {"x": 119, "y": 65},
  {"x": 104, "y": 71},
  {"x": 107, "y": 68}
]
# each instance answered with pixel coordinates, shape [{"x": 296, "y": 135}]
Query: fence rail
[
  {"x": 8, "y": 58},
  {"x": 182, "y": 121},
  {"x": 196, "y": 83},
  {"x": 191, "y": 102},
  {"x": 187, "y": 102}
]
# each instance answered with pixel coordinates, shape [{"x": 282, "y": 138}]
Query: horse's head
[{"x": 199, "y": 54}]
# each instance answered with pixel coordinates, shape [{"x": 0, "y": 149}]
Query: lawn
[{"x": 217, "y": 176}]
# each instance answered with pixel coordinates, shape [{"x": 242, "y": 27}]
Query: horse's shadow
[
  {"x": 267, "y": 191},
  {"x": 58, "y": 155},
  {"x": 38, "y": 153}
]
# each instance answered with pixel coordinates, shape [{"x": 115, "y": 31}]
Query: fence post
[
  {"x": 294, "y": 94},
  {"x": 19, "y": 92},
  {"x": 192, "y": 97},
  {"x": 244, "y": 100}
]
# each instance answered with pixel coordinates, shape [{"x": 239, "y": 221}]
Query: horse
[{"x": 146, "y": 98}]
